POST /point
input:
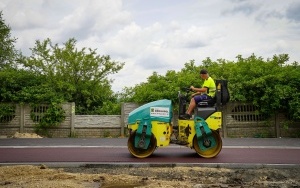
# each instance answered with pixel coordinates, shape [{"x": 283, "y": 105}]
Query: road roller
[{"x": 151, "y": 125}]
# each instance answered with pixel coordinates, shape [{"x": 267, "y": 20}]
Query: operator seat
[
  {"x": 207, "y": 102},
  {"x": 207, "y": 107}
]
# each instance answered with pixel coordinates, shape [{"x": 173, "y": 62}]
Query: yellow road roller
[{"x": 150, "y": 125}]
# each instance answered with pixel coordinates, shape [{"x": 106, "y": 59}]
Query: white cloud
[{"x": 159, "y": 35}]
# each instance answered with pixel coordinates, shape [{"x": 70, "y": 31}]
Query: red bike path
[
  {"x": 87, "y": 153},
  {"x": 161, "y": 155}
]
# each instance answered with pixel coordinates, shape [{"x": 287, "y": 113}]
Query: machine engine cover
[{"x": 160, "y": 110}]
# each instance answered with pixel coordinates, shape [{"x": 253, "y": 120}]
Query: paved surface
[
  {"x": 117, "y": 142},
  {"x": 75, "y": 151}
]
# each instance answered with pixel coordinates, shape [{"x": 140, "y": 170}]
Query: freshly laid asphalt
[
  {"x": 236, "y": 152},
  {"x": 118, "y": 142}
]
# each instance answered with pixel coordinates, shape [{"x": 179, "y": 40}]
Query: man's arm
[{"x": 199, "y": 90}]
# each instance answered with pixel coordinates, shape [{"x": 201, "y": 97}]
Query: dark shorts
[{"x": 199, "y": 98}]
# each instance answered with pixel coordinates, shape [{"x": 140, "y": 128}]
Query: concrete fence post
[
  {"x": 224, "y": 121},
  {"x": 72, "y": 133},
  {"x": 277, "y": 127},
  {"x": 122, "y": 119},
  {"x": 22, "y": 117}
]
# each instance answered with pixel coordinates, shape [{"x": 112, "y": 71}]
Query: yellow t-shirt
[{"x": 209, "y": 83}]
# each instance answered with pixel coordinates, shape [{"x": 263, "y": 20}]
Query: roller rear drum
[{"x": 210, "y": 151}]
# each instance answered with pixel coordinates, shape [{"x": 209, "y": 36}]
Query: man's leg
[
  {"x": 188, "y": 113},
  {"x": 193, "y": 103},
  {"x": 191, "y": 107}
]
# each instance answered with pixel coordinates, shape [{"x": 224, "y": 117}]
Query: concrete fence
[
  {"x": 26, "y": 117},
  {"x": 243, "y": 120},
  {"x": 239, "y": 120}
]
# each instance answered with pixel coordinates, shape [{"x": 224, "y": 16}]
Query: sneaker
[{"x": 185, "y": 116}]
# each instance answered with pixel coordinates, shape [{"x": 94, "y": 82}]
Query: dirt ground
[
  {"x": 28, "y": 176},
  {"x": 194, "y": 177}
]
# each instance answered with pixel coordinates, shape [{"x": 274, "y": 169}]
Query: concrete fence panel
[{"x": 97, "y": 125}]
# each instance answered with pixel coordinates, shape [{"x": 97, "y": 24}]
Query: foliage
[
  {"x": 271, "y": 85},
  {"x": 8, "y": 53},
  {"x": 52, "y": 117},
  {"x": 53, "y": 75},
  {"x": 6, "y": 110},
  {"x": 78, "y": 75},
  {"x": 20, "y": 86},
  {"x": 159, "y": 87}
]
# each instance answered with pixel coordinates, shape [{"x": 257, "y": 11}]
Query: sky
[{"x": 159, "y": 35}]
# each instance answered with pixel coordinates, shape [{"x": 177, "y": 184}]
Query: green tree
[
  {"x": 79, "y": 76},
  {"x": 21, "y": 86},
  {"x": 271, "y": 85},
  {"x": 8, "y": 53}
]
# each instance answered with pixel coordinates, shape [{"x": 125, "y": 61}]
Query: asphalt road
[{"x": 93, "y": 151}]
